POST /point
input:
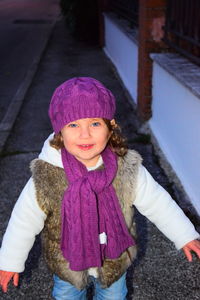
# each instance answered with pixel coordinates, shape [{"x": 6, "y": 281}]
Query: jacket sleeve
[
  {"x": 154, "y": 202},
  {"x": 26, "y": 221}
]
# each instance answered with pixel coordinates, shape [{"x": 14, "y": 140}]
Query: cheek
[
  {"x": 66, "y": 143},
  {"x": 69, "y": 146},
  {"x": 108, "y": 134},
  {"x": 67, "y": 140},
  {"x": 105, "y": 138}
]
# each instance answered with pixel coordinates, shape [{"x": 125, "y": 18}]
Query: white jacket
[{"x": 27, "y": 219}]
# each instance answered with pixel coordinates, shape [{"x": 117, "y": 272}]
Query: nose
[{"x": 84, "y": 132}]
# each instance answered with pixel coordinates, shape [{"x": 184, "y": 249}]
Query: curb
[{"x": 18, "y": 99}]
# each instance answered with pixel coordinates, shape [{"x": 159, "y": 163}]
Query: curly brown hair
[{"x": 117, "y": 142}]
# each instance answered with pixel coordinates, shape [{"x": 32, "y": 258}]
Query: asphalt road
[{"x": 24, "y": 25}]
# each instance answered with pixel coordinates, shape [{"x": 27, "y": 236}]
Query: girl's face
[{"x": 86, "y": 139}]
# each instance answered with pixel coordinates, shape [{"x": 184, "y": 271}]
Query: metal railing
[
  {"x": 126, "y": 9},
  {"x": 182, "y": 28}
]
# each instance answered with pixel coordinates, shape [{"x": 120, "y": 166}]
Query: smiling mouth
[{"x": 85, "y": 146}]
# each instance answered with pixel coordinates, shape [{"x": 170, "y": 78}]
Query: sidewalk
[{"x": 160, "y": 272}]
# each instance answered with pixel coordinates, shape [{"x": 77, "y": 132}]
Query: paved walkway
[{"x": 160, "y": 272}]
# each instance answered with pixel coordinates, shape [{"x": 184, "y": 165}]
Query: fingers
[
  {"x": 187, "y": 254},
  {"x": 2, "y": 281},
  {"x": 5, "y": 284},
  {"x": 16, "y": 279},
  {"x": 192, "y": 246},
  {"x": 196, "y": 249},
  {"x": 5, "y": 277}
]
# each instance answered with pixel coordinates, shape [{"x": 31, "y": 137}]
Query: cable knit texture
[
  {"x": 50, "y": 183},
  {"x": 90, "y": 207},
  {"x": 78, "y": 98}
]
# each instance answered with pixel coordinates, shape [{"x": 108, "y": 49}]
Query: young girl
[{"x": 81, "y": 193}]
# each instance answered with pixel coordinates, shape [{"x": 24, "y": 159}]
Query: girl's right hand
[{"x": 5, "y": 277}]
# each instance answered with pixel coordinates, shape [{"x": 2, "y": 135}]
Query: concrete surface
[{"x": 160, "y": 272}]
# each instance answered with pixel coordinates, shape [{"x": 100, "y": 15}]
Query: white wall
[
  {"x": 176, "y": 110},
  {"x": 176, "y": 125},
  {"x": 123, "y": 52}
]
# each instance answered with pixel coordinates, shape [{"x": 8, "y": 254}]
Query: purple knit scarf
[{"x": 90, "y": 207}]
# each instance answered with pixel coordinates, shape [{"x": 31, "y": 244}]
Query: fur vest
[{"x": 50, "y": 183}]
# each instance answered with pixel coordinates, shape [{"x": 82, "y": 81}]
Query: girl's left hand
[{"x": 192, "y": 246}]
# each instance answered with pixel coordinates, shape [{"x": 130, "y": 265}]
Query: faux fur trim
[{"x": 50, "y": 182}]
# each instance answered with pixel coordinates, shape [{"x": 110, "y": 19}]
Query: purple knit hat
[{"x": 78, "y": 98}]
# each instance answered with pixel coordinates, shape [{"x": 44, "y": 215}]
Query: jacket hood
[
  {"x": 50, "y": 154},
  {"x": 53, "y": 156}
]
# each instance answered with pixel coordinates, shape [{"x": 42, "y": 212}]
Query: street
[{"x": 23, "y": 27}]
